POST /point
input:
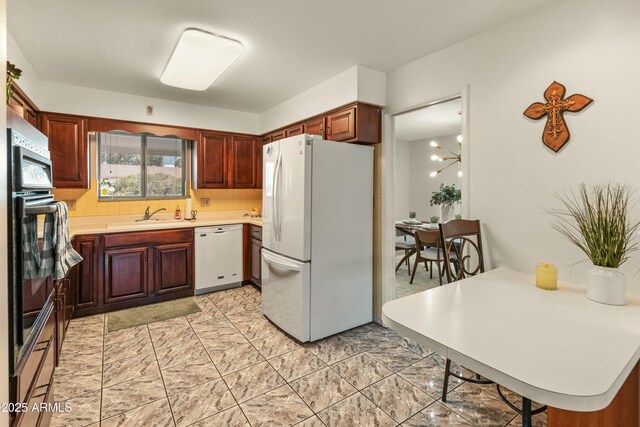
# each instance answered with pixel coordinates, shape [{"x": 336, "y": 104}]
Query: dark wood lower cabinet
[
  {"x": 84, "y": 277},
  {"x": 256, "y": 262},
  {"x": 63, "y": 311},
  {"x": 173, "y": 267},
  {"x": 33, "y": 381},
  {"x": 255, "y": 254},
  {"x": 122, "y": 270},
  {"x": 126, "y": 274}
]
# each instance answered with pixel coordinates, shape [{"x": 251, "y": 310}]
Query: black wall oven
[{"x": 30, "y": 184}]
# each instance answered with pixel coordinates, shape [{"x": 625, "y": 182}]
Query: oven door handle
[
  {"x": 39, "y": 210},
  {"x": 36, "y": 205}
]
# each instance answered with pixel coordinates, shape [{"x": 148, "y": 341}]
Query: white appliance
[
  {"x": 317, "y": 236},
  {"x": 218, "y": 258}
]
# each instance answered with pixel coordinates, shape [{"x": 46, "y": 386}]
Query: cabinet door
[
  {"x": 61, "y": 313},
  {"x": 244, "y": 162},
  {"x": 314, "y": 126},
  {"x": 212, "y": 159},
  {"x": 68, "y": 147},
  {"x": 341, "y": 125},
  {"x": 256, "y": 262},
  {"x": 126, "y": 274},
  {"x": 277, "y": 136},
  {"x": 85, "y": 278},
  {"x": 173, "y": 267},
  {"x": 294, "y": 130}
]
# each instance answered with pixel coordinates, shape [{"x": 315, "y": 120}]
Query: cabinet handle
[
  {"x": 46, "y": 344},
  {"x": 44, "y": 393}
]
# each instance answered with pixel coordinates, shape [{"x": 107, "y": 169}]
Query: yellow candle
[{"x": 547, "y": 276}]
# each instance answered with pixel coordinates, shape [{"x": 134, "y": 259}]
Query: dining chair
[
  {"x": 461, "y": 241},
  {"x": 428, "y": 250},
  {"x": 406, "y": 243}
]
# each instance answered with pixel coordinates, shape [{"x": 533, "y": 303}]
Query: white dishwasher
[{"x": 218, "y": 257}]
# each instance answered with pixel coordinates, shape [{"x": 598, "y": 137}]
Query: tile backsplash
[{"x": 85, "y": 202}]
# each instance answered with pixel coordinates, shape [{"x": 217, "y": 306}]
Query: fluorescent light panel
[{"x": 199, "y": 59}]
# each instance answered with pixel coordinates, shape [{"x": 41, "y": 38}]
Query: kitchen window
[{"x": 140, "y": 166}]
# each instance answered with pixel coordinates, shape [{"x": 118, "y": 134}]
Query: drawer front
[
  {"x": 148, "y": 238},
  {"x": 256, "y": 231},
  {"x": 31, "y": 373}
]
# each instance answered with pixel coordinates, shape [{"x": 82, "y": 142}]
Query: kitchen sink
[{"x": 150, "y": 223}]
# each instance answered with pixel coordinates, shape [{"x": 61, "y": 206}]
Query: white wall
[
  {"x": 422, "y": 185},
  {"x": 100, "y": 103},
  {"x": 29, "y": 81},
  {"x": 590, "y": 46},
  {"x": 402, "y": 181},
  {"x": 355, "y": 84}
]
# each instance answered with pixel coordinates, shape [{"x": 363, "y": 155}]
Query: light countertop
[
  {"x": 554, "y": 347},
  {"x": 127, "y": 223}
]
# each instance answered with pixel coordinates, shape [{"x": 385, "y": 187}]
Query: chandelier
[{"x": 450, "y": 157}]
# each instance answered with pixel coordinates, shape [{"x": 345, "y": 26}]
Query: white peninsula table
[{"x": 554, "y": 347}]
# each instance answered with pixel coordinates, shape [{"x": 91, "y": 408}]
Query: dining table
[
  {"x": 557, "y": 348},
  {"x": 408, "y": 228}
]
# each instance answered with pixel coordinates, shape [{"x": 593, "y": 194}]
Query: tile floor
[{"x": 229, "y": 366}]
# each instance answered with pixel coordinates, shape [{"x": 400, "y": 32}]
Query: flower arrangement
[{"x": 446, "y": 195}]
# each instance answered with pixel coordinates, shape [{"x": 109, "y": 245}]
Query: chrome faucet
[{"x": 147, "y": 215}]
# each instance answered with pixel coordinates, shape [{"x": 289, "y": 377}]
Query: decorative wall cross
[{"x": 556, "y": 133}]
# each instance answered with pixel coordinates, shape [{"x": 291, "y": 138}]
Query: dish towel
[
  {"x": 30, "y": 249},
  {"x": 36, "y": 261},
  {"x": 65, "y": 256}
]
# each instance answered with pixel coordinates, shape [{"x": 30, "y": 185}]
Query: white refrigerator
[{"x": 317, "y": 236}]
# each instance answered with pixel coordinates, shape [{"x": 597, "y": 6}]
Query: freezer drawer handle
[{"x": 281, "y": 264}]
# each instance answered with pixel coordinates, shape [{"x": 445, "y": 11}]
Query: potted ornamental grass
[
  {"x": 596, "y": 220},
  {"x": 445, "y": 197}
]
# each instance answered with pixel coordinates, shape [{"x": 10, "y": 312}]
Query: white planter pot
[
  {"x": 606, "y": 285},
  {"x": 445, "y": 213}
]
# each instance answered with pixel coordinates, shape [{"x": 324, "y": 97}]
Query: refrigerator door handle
[
  {"x": 279, "y": 263},
  {"x": 273, "y": 199},
  {"x": 276, "y": 198}
]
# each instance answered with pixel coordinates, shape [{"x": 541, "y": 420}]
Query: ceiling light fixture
[
  {"x": 455, "y": 157},
  {"x": 199, "y": 59}
]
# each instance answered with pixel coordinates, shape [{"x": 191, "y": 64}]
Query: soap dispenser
[{"x": 178, "y": 214}]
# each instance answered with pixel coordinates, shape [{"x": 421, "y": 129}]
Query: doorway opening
[{"x": 427, "y": 189}]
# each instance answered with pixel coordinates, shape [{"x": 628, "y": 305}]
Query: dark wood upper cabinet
[
  {"x": 126, "y": 274},
  {"x": 69, "y": 149},
  {"x": 225, "y": 160},
  {"x": 294, "y": 130},
  {"x": 277, "y": 136},
  {"x": 358, "y": 123},
  {"x": 173, "y": 267},
  {"x": 341, "y": 125},
  {"x": 211, "y": 160},
  {"x": 314, "y": 126},
  {"x": 23, "y": 105},
  {"x": 246, "y": 153}
]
